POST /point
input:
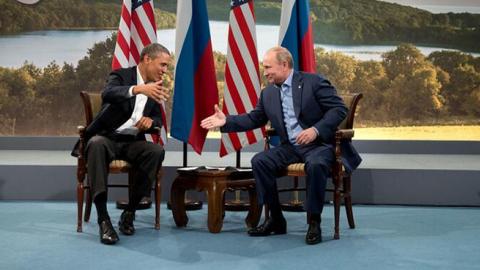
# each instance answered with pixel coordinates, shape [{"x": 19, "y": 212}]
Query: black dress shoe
[
  {"x": 125, "y": 225},
  {"x": 269, "y": 227},
  {"x": 314, "y": 233},
  {"x": 108, "y": 235}
]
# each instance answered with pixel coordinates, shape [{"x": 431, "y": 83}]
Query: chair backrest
[
  {"x": 351, "y": 101},
  {"x": 92, "y": 102}
]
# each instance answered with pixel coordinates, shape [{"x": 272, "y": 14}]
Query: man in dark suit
[
  {"x": 130, "y": 108},
  {"x": 305, "y": 110}
]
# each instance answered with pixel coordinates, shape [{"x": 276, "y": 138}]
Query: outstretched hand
[
  {"x": 218, "y": 119},
  {"x": 154, "y": 90}
]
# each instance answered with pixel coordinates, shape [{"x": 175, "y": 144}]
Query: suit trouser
[
  {"x": 268, "y": 164},
  {"x": 145, "y": 158}
]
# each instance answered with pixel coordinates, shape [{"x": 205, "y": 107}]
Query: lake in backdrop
[{"x": 43, "y": 47}]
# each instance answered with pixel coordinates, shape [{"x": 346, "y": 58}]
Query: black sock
[
  {"x": 101, "y": 205},
  {"x": 315, "y": 217},
  {"x": 276, "y": 211},
  {"x": 133, "y": 202}
]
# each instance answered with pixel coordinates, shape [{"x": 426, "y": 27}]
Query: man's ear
[{"x": 146, "y": 59}]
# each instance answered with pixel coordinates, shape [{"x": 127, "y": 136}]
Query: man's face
[
  {"x": 275, "y": 72},
  {"x": 156, "y": 67}
]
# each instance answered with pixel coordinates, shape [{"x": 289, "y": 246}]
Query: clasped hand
[
  {"x": 145, "y": 123},
  {"x": 306, "y": 136},
  {"x": 154, "y": 90}
]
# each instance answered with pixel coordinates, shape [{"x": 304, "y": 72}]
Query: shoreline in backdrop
[{"x": 43, "y": 47}]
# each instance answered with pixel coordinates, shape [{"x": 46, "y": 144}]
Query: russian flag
[
  {"x": 296, "y": 33},
  {"x": 195, "y": 89}
]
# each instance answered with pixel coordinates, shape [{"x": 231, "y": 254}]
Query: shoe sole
[
  {"x": 272, "y": 233},
  {"x": 313, "y": 242},
  {"x": 106, "y": 242}
]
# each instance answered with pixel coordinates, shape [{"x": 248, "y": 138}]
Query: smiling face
[
  {"x": 156, "y": 67},
  {"x": 275, "y": 70}
]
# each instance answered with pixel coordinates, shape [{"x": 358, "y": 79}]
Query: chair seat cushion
[
  {"x": 119, "y": 166},
  {"x": 296, "y": 169}
]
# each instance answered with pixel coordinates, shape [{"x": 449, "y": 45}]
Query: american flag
[
  {"x": 137, "y": 29},
  {"x": 242, "y": 76}
]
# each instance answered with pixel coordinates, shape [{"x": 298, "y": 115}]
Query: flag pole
[
  {"x": 237, "y": 204},
  {"x": 190, "y": 205}
]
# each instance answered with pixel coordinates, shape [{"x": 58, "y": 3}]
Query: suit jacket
[
  {"x": 316, "y": 104},
  {"x": 117, "y": 107}
]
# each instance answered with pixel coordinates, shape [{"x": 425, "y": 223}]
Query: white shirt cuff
[
  {"x": 316, "y": 130},
  {"x": 130, "y": 91}
]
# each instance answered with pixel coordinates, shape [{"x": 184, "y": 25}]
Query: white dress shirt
[{"x": 129, "y": 126}]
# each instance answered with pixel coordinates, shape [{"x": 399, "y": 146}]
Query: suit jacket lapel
[
  {"x": 297, "y": 90},
  {"x": 277, "y": 107},
  {"x": 148, "y": 106},
  {"x": 133, "y": 82}
]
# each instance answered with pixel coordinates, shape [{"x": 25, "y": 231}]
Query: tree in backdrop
[
  {"x": 414, "y": 89},
  {"x": 404, "y": 88},
  {"x": 462, "y": 90}
]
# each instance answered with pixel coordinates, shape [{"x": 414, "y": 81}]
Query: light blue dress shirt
[{"x": 291, "y": 122}]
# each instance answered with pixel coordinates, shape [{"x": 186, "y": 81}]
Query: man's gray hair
[
  {"x": 153, "y": 50},
  {"x": 282, "y": 55}
]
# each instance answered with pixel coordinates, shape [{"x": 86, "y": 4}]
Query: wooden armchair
[
  {"x": 92, "y": 103},
  {"x": 340, "y": 178}
]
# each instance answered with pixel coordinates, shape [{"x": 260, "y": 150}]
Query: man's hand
[
  {"x": 145, "y": 123},
  {"x": 218, "y": 119},
  {"x": 306, "y": 136},
  {"x": 154, "y": 90}
]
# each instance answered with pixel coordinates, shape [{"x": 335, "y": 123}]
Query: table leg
[
  {"x": 215, "y": 208},
  {"x": 177, "y": 198}
]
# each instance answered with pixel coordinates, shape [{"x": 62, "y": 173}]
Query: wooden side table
[{"x": 215, "y": 183}]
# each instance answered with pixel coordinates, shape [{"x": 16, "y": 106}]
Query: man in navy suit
[
  {"x": 130, "y": 108},
  {"x": 305, "y": 110}
]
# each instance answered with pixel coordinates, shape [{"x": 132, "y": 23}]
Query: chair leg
[
  {"x": 347, "y": 181},
  {"x": 88, "y": 206},
  {"x": 79, "y": 205},
  {"x": 254, "y": 211},
  {"x": 158, "y": 196},
  {"x": 336, "y": 204}
]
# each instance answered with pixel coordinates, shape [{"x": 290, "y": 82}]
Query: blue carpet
[{"x": 42, "y": 235}]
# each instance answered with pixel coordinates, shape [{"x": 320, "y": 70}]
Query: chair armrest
[
  {"x": 155, "y": 131},
  {"x": 79, "y": 147},
  {"x": 81, "y": 131},
  {"x": 344, "y": 134},
  {"x": 271, "y": 132}
]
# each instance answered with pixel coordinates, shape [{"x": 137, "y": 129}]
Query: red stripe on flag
[
  {"x": 115, "y": 63},
  {"x": 242, "y": 70},
  {"x": 150, "y": 15},
  {"x": 247, "y": 36},
  {"x": 232, "y": 88},
  {"x": 223, "y": 151},
  {"x": 125, "y": 15},
  {"x": 233, "y": 137},
  {"x": 134, "y": 51},
  {"x": 140, "y": 30},
  {"x": 307, "y": 53},
  {"x": 124, "y": 46}
]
